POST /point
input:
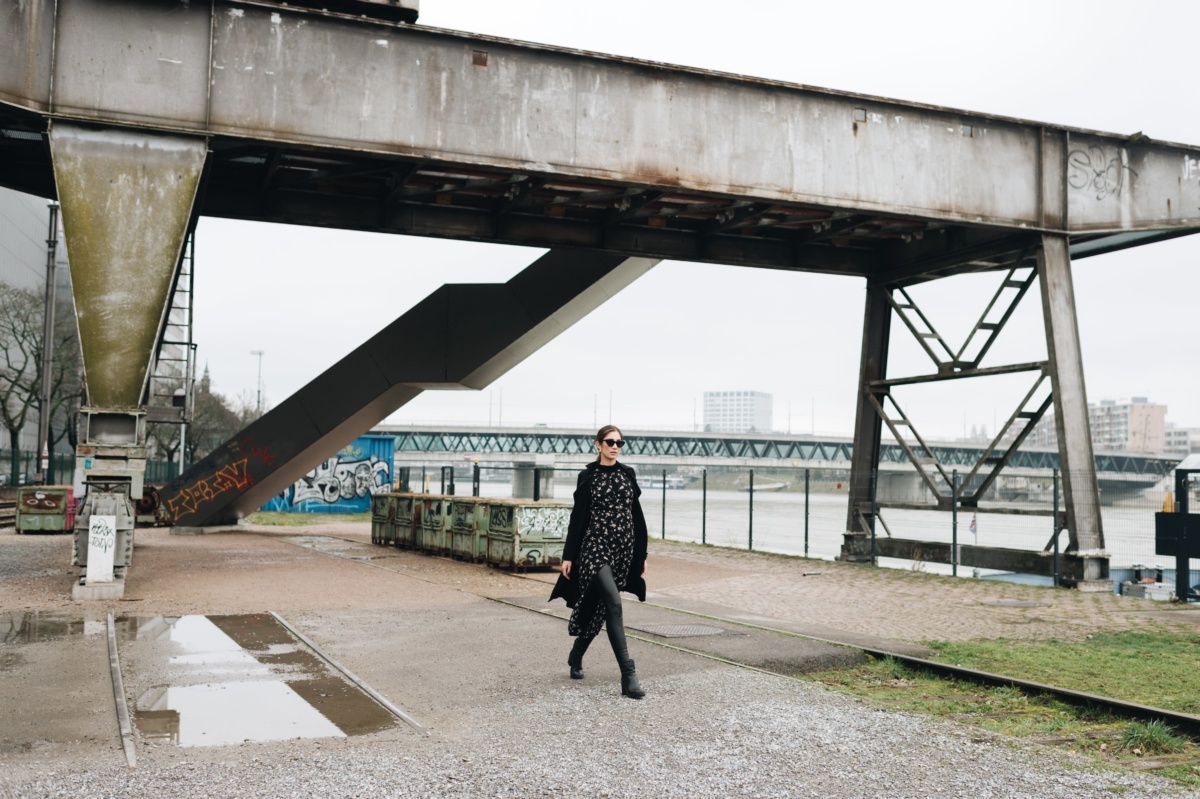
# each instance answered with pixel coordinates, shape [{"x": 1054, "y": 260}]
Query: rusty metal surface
[{"x": 417, "y": 130}]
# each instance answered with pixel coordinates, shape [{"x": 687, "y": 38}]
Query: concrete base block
[
  {"x": 98, "y": 592},
  {"x": 184, "y": 530},
  {"x": 1094, "y": 586}
]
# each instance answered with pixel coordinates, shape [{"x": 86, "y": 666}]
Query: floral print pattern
[{"x": 608, "y": 541}]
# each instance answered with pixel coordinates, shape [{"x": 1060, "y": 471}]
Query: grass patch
[
  {"x": 1151, "y": 738},
  {"x": 1160, "y": 668},
  {"x": 1004, "y": 710},
  {"x": 1155, "y": 668},
  {"x": 277, "y": 519}
]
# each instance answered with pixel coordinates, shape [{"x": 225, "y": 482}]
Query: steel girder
[
  {"x": 837, "y": 452},
  {"x": 313, "y": 117}
]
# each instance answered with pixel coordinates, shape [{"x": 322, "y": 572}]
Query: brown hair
[{"x": 604, "y": 432}]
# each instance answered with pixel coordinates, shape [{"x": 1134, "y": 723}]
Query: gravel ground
[
  {"x": 705, "y": 730},
  {"x": 719, "y": 733}
]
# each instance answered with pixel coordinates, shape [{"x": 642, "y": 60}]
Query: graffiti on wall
[
  {"x": 206, "y": 481},
  {"x": 1101, "y": 171},
  {"x": 343, "y": 484}
]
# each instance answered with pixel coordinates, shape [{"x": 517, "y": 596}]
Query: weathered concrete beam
[{"x": 288, "y": 75}]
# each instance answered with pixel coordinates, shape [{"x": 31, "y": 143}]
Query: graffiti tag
[
  {"x": 1100, "y": 171},
  {"x": 231, "y": 477},
  {"x": 1191, "y": 167},
  {"x": 101, "y": 535}
]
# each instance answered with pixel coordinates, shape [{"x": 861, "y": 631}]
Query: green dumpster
[
  {"x": 468, "y": 528},
  {"x": 46, "y": 509},
  {"x": 407, "y": 515},
  {"x": 383, "y": 518},
  {"x": 524, "y": 534},
  {"x": 433, "y": 530}
]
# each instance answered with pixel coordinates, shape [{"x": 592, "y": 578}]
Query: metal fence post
[
  {"x": 874, "y": 512},
  {"x": 475, "y": 479},
  {"x": 751, "y": 510},
  {"x": 806, "y": 513},
  {"x": 664, "y": 504},
  {"x": 704, "y": 506},
  {"x": 443, "y": 473},
  {"x": 954, "y": 523},
  {"x": 537, "y": 484},
  {"x": 1056, "y": 527}
]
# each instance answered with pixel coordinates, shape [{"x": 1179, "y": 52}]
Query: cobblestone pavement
[{"x": 892, "y": 603}]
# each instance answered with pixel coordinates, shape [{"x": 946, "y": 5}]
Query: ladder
[{"x": 172, "y": 378}]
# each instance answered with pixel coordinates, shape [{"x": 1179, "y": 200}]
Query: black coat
[{"x": 580, "y": 516}]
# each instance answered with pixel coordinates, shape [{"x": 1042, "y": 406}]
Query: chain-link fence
[
  {"x": 804, "y": 510},
  {"x": 61, "y": 469}
]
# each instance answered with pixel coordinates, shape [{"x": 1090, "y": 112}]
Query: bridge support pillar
[
  {"x": 126, "y": 202},
  {"x": 868, "y": 426},
  {"x": 1087, "y": 561}
]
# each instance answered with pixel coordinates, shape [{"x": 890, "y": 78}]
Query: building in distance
[
  {"x": 1134, "y": 425},
  {"x": 738, "y": 412},
  {"x": 1181, "y": 441}
]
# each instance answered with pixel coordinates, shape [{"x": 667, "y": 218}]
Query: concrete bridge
[{"x": 139, "y": 121}]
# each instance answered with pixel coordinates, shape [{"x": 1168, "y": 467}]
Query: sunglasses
[{"x": 614, "y": 442}]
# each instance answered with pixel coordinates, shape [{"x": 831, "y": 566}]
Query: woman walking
[{"x": 605, "y": 553}]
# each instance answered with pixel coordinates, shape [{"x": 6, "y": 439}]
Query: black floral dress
[{"x": 608, "y": 540}]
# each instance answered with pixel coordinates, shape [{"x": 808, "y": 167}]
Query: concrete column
[
  {"x": 126, "y": 200},
  {"x": 1078, "y": 463},
  {"x": 864, "y": 466}
]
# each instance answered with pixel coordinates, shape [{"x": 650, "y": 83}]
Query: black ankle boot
[
  {"x": 575, "y": 659},
  {"x": 629, "y": 681}
]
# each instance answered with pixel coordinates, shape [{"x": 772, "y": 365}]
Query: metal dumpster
[
  {"x": 433, "y": 529},
  {"x": 46, "y": 509},
  {"x": 383, "y": 518},
  {"x": 526, "y": 534},
  {"x": 407, "y": 515},
  {"x": 468, "y": 528}
]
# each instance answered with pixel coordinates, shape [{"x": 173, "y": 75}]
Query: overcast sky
[{"x": 306, "y": 296}]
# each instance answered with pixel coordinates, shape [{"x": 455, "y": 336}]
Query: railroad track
[{"x": 1184, "y": 722}]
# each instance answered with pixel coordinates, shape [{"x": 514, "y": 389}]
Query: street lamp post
[{"x": 258, "y": 406}]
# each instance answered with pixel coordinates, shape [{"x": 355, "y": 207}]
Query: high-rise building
[
  {"x": 737, "y": 412},
  {"x": 1135, "y": 425}
]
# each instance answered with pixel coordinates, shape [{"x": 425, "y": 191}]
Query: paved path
[{"x": 487, "y": 677}]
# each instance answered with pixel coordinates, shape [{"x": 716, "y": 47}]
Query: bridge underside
[
  {"x": 327, "y": 187},
  {"x": 260, "y": 111}
]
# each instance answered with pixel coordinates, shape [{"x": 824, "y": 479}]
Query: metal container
[
  {"x": 468, "y": 528},
  {"x": 407, "y": 516},
  {"x": 47, "y": 509},
  {"x": 433, "y": 530},
  {"x": 383, "y": 518},
  {"x": 524, "y": 534}
]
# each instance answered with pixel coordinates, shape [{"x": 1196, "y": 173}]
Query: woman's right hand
[{"x": 566, "y": 569}]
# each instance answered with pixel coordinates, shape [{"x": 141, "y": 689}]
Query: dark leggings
[{"x": 604, "y": 589}]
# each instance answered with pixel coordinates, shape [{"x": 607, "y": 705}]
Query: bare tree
[
  {"x": 21, "y": 332},
  {"x": 20, "y": 358}
]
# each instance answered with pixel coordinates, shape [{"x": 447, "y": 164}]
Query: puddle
[
  {"x": 33, "y": 627},
  {"x": 244, "y": 678}
]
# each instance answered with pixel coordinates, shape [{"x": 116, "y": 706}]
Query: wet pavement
[
  {"x": 211, "y": 677},
  {"x": 217, "y": 680}
]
